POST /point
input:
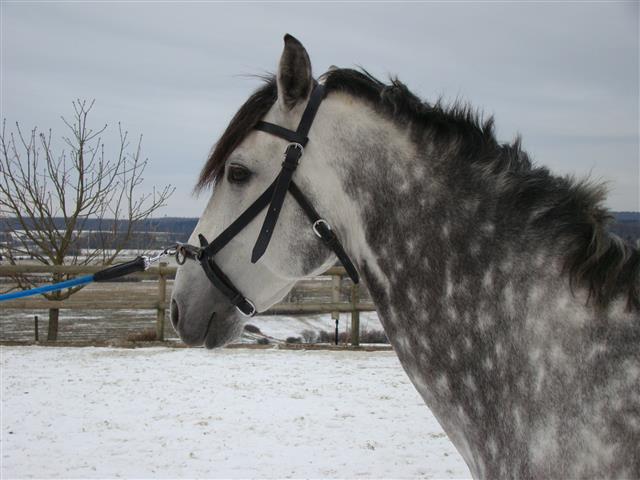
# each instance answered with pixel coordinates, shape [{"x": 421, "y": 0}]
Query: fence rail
[{"x": 164, "y": 272}]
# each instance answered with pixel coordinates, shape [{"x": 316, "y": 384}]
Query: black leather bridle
[{"x": 274, "y": 197}]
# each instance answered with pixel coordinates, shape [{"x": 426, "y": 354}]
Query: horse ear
[{"x": 294, "y": 74}]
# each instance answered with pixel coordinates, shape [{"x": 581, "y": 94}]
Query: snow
[
  {"x": 231, "y": 413},
  {"x": 282, "y": 326}
]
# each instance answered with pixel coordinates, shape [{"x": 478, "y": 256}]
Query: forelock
[{"x": 242, "y": 123}]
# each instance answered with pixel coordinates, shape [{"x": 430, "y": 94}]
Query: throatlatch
[{"x": 273, "y": 197}]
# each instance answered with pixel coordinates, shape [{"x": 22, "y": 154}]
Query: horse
[{"x": 512, "y": 309}]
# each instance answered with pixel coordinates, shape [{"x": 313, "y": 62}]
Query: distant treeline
[
  {"x": 179, "y": 226},
  {"x": 625, "y": 224}
]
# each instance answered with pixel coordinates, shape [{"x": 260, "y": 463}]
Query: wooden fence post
[
  {"x": 162, "y": 299},
  {"x": 336, "y": 281},
  {"x": 355, "y": 316}
]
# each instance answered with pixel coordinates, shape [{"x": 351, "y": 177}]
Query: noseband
[{"x": 273, "y": 197}]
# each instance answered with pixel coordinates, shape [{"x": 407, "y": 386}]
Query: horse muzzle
[{"x": 200, "y": 314}]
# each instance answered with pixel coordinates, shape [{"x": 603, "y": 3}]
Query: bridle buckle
[
  {"x": 296, "y": 145},
  {"x": 320, "y": 221},
  {"x": 292, "y": 160}
]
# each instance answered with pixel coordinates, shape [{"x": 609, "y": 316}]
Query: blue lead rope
[
  {"x": 139, "y": 264},
  {"x": 47, "y": 288}
]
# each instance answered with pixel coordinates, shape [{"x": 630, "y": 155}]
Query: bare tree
[{"x": 47, "y": 198}]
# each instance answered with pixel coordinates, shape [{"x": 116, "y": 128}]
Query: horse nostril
[{"x": 175, "y": 314}]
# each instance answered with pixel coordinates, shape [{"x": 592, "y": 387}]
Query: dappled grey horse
[{"x": 513, "y": 310}]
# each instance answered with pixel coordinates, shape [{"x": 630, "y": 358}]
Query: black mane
[
  {"x": 564, "y": 208},
  {"x": 394, "y": 99}
]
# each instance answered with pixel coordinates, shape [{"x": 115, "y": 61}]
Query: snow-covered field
[
  {"x": 235, "y": 413},
  {"x": 280, "y": 327}
]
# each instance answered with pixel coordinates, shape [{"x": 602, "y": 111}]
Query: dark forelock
[{"x": 242, "y": 123}]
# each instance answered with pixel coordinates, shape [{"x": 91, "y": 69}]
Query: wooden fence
[{"x": 164, "y": 272}]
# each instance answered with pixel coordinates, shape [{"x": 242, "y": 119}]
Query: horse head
[{"x": 245, "y": 165}]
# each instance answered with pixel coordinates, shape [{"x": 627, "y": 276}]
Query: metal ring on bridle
[
  {"x": 253, "y": 309},
  {"x": 318, "y": 222},
  {"x": 295, "y": 145},
  {"x": 181, "y": 255}
]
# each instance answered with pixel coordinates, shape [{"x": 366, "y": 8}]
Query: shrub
[
  {"x": 309, "y": 336},
  {"x": 343, "y": 337},
  {"x": 373, "y": 336},
  {"x": 325, "y": 337},
  {"x": 252, "y": 328},
  {"x": 148, "y": 335},
  {"x": 294, "y": 340},
  {"x": 263, "y": 341},
  {"x": 366, "y": 336}
]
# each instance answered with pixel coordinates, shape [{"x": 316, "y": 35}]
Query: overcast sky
[{"x": 563, "y": 75}]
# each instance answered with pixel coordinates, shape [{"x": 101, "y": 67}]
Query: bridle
[{"x": 274, "y": 197}]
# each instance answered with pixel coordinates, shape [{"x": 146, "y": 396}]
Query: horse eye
[{"x": 238, "y": 174}]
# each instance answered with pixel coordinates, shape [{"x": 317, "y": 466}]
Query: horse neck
[
  {"x": 472, "y": 295},
  {"x": 430, "y": 238},
  {"x": 449, "y": 276},
  {"x": 428, "y": 234}
]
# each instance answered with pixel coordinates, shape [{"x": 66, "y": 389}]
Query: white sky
[{"x": 564, "y": 75}]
